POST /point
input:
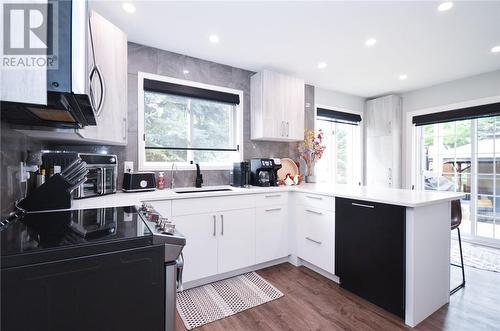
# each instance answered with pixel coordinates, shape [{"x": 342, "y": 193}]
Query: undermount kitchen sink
[{"x": 201, "y": 190}]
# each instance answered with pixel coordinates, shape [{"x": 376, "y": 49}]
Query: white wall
[
  {"x": 470, "y": 88},
  {"x": 474, "y": 90},
  {"x": 342, "y": 101}
]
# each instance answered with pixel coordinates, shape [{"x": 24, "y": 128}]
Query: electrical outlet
[
  {"x": 128, "y": 166},
  {"x": 25, "y": 170}
]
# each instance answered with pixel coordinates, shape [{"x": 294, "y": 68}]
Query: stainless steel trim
[
  {"x": 222, "y": 224},
  {"x": 140, "y": 190},
  {"x": 314, "y": 241},
  {"x": 215, "y": 221},
  {"x": 314, "y": 212},
  {"x": 170, "y": 296},
  {"x": 313, "y": 197},
  {"x": 273, "y": 209},
  {"x": 272, "y": 196},
  {"x": 79, "y": 61},
  {"x": 103, "y": 181},
  {"x": 362, "y": 205}
]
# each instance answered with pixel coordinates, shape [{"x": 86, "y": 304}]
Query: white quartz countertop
[{"x": 400, "y": 197}]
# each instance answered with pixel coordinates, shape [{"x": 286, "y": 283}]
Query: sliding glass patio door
[{"x": 464, "y": 156}]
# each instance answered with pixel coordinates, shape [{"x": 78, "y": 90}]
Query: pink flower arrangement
[{"x": 312, "y": 149}]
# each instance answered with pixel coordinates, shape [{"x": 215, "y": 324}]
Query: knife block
[{"x": 51, "y": 195}]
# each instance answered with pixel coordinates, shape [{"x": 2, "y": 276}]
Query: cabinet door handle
[
  {"x": 273, "y": 196},
  {"x": 282, "y": 128},
  {"x": 287, "y": 129},
  {"x": 362, "y": 205},
  {"x": 222, "y": 225},
  {"x": 124, "y": 129},
  {"x": 273, "y": 209},
  {"x": 313, "y": 197},
  {"x": 314, "y": 212},
  {"x": 215, "y": 221},
  {"x": 314, "y": 241}
]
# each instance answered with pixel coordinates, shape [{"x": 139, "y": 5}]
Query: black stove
[{"x": 44, "y": 236}]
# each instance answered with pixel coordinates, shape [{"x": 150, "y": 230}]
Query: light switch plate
[{"x": 128, "y": 166}]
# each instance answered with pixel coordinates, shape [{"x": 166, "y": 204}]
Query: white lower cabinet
[
  {"x": 200, "y": 252},
  {"x": 236, "y": 239},
  {"x": 236, "y": 232},
  {"x": 217, "y": 242},
  {"x": 316, "y": 235},
  {"x": 271, "y": 233}
]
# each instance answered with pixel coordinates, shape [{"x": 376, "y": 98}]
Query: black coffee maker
[{"x": 264, "y": 172}]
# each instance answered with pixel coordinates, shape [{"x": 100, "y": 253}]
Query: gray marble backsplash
[
  {"x": 156, "y": 61},
  {"x": 14, "y": 148}
]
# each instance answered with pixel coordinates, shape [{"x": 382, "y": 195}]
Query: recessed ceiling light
[
  {"x": 214, "y": 39},
  {"x": 321, "y": 65},
  {"x": 495, "y": 49},
  {"x": 370, "y": 42},
  {"x": 403, "y": 77},
  {"x": 128, "y": 7},
  {"x": 185, "y": 71},
  {"x": 445, "y": 6}
]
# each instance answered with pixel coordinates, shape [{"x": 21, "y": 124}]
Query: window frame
[
  {"x": 141, "y": 145},
  {"x": 411, "y": 142},
  {"x": 360, "y": 169}
]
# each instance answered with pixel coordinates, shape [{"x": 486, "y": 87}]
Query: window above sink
[{"x": 182, "y": 121}]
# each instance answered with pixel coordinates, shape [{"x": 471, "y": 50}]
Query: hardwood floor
[{"x": 312, "y": 302}]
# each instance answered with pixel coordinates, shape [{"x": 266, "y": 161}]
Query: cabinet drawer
[
  {"x": 271, "y": 199},
  {"x": 316, "y": 233},
  {"x": 214, "y": 204},
  {"x": 316, "y": 201},
  {"x": 271, "y": 233}
]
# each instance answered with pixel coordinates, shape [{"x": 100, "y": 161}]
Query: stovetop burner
[{"x": 58, "y": 229}]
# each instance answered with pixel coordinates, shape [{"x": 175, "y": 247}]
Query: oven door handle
[
  {"x": 103, "y": 180},
  {"x": 180, "y": 267}
]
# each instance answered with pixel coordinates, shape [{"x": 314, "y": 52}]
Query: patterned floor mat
[
  {"x": 476, "y": 256},
  {"x": 211, "y": 302}
]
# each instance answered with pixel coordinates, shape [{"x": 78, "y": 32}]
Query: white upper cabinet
[
  {"x": 383, "y": 142},
  {"x": 277, "y": 107},
  {"x": 110, "y": 47}
]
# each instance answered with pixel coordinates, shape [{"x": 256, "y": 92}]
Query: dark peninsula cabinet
[
  {"x": 116, "y": 291},
  {"x": 370, "y": 251}
]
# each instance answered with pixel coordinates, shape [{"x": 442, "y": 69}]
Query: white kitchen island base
[{"x": 428, "y": 233}]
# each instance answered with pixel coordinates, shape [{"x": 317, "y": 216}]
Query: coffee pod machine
[{"x": 264, "y": 172}]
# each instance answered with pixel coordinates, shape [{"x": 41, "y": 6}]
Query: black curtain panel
[
  {"x": 488, "y": 110},
  {"x": 338, "y": 116},
  {"x": 190, "y": 91}
]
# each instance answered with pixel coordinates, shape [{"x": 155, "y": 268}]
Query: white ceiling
[{"x": 413, "y": 38}]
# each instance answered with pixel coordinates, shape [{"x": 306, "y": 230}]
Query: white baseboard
[
  {"x": 320, "y": 271},
  {"x": 211, "y": 279},
  {"x": 292, "y": 259}
]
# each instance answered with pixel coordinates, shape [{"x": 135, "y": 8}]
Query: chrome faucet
[{"x": 172, "y": 183}]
